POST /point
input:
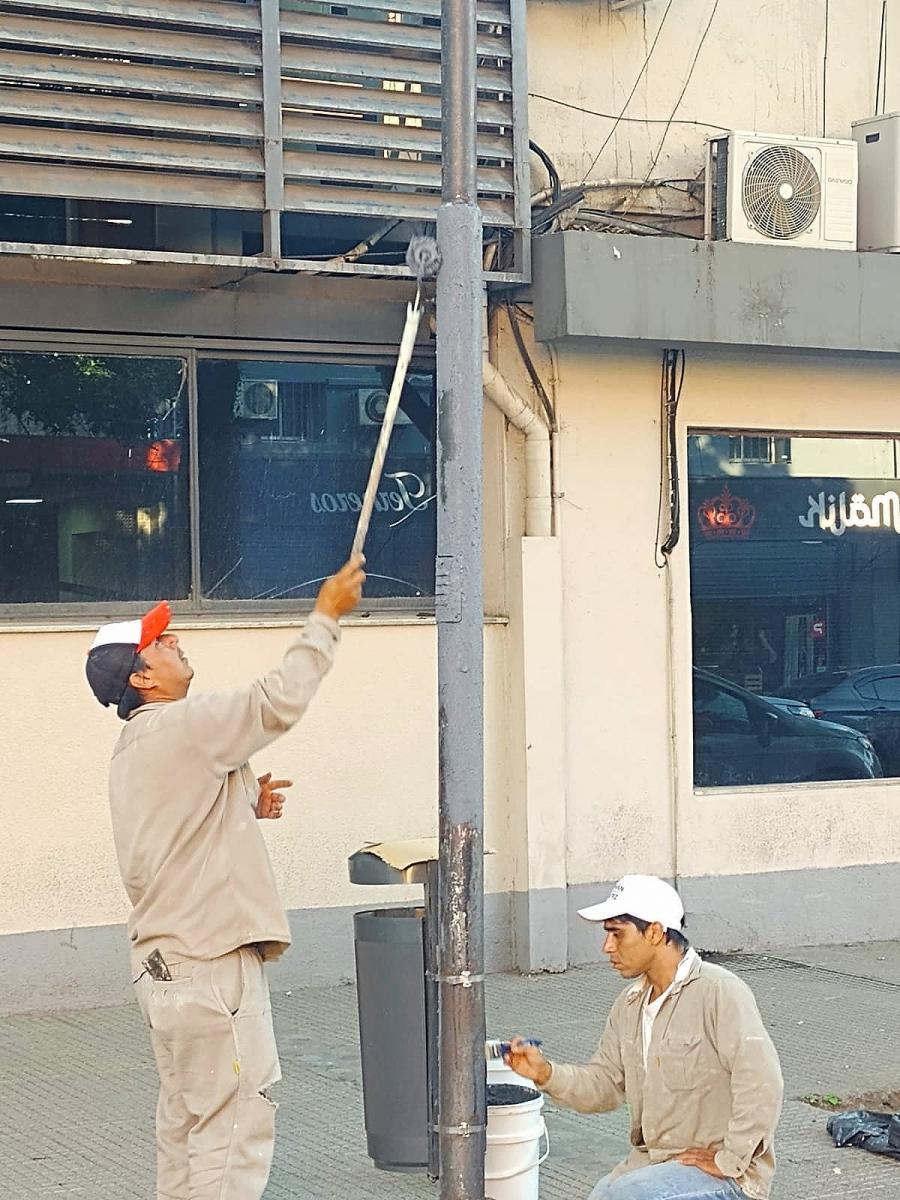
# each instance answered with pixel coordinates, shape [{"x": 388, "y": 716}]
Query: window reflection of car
[
  {"x": 867, "y": 700},
  {"x": 796, "y": 708},
  {"x": 741, "y": 739}
]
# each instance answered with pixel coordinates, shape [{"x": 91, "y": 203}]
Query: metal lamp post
[{"x": 460, "y": 621}]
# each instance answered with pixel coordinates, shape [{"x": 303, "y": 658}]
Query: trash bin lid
[{"x": 394, "y": 862}]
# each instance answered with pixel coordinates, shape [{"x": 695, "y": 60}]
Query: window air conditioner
[
  {"x": 790, "y": 190},
  {"x": 257, "y": 399},
  {"x": 878, "y": 141},
  {"x": 372, "y": 406}
]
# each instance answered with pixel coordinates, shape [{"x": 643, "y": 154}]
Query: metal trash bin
[
  {"x": 396, "y": 965},
  {"x": 390, "y": 973}
]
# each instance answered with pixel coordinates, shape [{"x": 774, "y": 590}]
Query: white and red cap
[
  {"x": 110, "y": 660},
  {"x": 139, "y": 633},
  {"x": 643, "y": 896}
]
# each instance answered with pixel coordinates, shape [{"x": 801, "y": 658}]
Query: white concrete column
[{"x": 539, "y": 774}]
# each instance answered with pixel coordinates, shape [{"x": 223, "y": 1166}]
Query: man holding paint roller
[
  {"x": 686, "y": 1048},
  {"x": 206, "y": 914}
]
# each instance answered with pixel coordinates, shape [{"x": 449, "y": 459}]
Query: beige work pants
[{"x": 211, "y": 1032}]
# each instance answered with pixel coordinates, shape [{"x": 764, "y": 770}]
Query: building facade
[{"x": 690, "y": 476}]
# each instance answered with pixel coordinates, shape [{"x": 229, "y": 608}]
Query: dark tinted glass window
[
  {"x": 93, "y": 478},
  {"x": 888, "y": 688},
  {"x": 285, "y": 451},
  {"x": 795, "y": 585},
  {"x": 716, "y": 711}
]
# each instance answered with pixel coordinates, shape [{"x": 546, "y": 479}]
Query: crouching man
[{"x": 686, "y": 1048}]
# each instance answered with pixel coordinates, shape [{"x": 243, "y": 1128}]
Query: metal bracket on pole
[
  {"x": 466, "y": 979},
  {"x": 447, "y": 590},
  {"x": 460, "y": 1130}
]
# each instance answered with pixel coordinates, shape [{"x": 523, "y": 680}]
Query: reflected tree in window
[{"x": 93, "y": 478}]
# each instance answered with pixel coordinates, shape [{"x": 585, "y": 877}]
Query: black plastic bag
[{"x": 877, "y": 1132}]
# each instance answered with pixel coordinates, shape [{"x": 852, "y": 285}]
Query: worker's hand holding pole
[{"x": 342, "y": 592}]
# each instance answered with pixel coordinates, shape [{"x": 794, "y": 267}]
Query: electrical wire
[
  {"x": 593, "y": 112},
  {"x": 825, "y": 71},
  {"x": 881, "y": 73},
  {"x": 612, "y": 218},
  {"x": 536, "y": 380},
  {"x": 681, "y": 94},
  {"x": 552, "y": 173},
  {"x": 568, "y": 199},
  {"x": 639, "y": 77},
  {"x": 671, "y": 383}
]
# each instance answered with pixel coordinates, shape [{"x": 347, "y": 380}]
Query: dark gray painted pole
[{"x": 460, "y": 622}]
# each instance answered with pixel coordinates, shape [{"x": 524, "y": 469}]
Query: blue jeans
[{"x": 667, "y": 1181}]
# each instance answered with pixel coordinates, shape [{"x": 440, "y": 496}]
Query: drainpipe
[
  {"x": 521, "y": 415},
  {"x": 540, "y": 447}
]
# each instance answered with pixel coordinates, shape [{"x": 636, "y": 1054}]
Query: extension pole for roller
[
  {"x": 407, "y": 345},
  {"x": 460, "y": 622}
]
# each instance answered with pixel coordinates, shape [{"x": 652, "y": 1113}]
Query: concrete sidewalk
[{"x": 78, "y": 1088}]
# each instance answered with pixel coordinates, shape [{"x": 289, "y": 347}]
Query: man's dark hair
[
  {"x": 131, "y": 697},
  {"x": 675, "y": 937}
]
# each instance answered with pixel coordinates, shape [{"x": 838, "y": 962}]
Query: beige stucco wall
[
  {"x": 364, "y": 759},
  {"x": 363, "y": 763},
  {"x": 623, "y": 797},
  {"x": 760, "y": 68}
]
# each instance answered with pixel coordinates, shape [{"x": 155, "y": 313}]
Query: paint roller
[{"x": 424, "y": 260}]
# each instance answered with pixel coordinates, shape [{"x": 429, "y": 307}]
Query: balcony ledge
[{"x": 678, "y": 291}]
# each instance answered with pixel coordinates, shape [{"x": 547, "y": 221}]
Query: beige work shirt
[
  {"x": 712, "y": 1080},
  {"x": 182, "y": 797}
]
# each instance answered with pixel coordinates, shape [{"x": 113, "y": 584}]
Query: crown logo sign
[{"x": 726, "y": 516}]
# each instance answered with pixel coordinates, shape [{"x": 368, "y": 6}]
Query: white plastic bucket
[{"x": 513, "y": 1156}]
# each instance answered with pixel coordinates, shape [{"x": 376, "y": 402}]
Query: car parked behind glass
[
  {"x": 740, "y": 740},
  {"x": 867, "y": 700}
]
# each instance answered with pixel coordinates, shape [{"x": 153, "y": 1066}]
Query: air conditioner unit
[
  {"x": 793, "y": 191},
  {"x": 257, "y": 400},
  {"x": 878, "y": 142},
  {"x": 372, "y": 405}
]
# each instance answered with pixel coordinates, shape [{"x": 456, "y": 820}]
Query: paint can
[{"x": 515, "y": 1131}]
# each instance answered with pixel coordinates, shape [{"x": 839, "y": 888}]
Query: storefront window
[
  {"x": 285, "y": 452},
  {"x": 96, "y": 494},
  {"x": 795, "y": 596},
  {"x": 93, "y": 478}
]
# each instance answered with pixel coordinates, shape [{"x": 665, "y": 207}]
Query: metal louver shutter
[{"x": 296, "y": 107}]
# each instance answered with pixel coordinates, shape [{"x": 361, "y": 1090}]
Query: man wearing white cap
[
  {"x": 686, "y": 1048},
  {"x": 206, "y": 913}
]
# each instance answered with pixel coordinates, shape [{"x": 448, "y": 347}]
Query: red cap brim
[{"x": 154, "y": 623}]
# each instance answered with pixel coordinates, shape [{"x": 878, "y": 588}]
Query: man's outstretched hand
[
  {"x": 341, "y": 593},
  {"x": 526, "y": 1060},
  {"x": 270, "y": 803},
  {"x": 705, "y": 1160}
]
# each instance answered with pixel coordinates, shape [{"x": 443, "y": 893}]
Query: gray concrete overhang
[{"x": 680, "y": 291}]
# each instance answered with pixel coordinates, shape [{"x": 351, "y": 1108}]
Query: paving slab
[{"x": 78, "y": 1094}]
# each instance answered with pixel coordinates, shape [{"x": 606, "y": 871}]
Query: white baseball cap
[
  {"x": 642, "y": 896},
  {"x": 110, "y": 659}
]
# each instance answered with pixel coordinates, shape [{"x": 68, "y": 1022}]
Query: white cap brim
[{"x": 602, "y": 912}]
